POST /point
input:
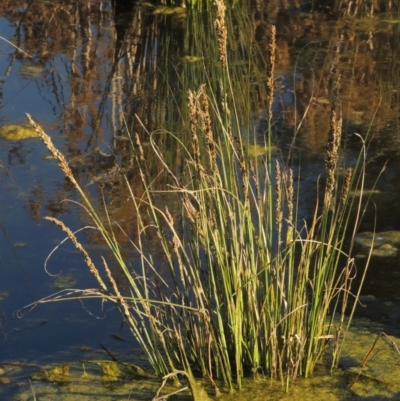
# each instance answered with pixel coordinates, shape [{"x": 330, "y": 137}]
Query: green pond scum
[
  {"x": 63, "y": 281},
  {"x": 34, "y": 71},
  {"x": 17, "y": 132},
  {"x": 382, "y": 244},
  {"x": 256, "y": 150},
  {"x": 108, "y": 380}
]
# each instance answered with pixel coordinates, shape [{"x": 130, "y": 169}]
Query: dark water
[
  {"x": 32, "y": 187},
  {"x": 91, "y": 68}
]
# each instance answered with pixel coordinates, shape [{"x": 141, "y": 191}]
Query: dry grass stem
[
  {"x": 270, "y": 71},
  {"x": 62, "y": 161},
  {"x": 16, "y": 47},
  {"x": 332, "y": 153},
  {"x": 79, "y": 246},
  {"x": 278, "y": 203},
  {"x": 119, "y": 299},
  {"x": 222, "y": 32},
  {"x": 290, "y": 206},
  {"x": 345, "y": 188}
]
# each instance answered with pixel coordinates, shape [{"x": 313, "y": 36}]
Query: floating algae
[
  {"x": 17, "y": 132},
  {"x": 384, "y": 244},
  {"x": 165, "y": 10},
  {"x": 64, "y": 281},
  {"x": 256, "y": 150},
  {"x": 191, "y": 59},
  {"x": 59, "y": 373},
  {"x": 113, "y": 371},
  {"x": 170, "y": 10},
  {"x": 31, "y": 70}
]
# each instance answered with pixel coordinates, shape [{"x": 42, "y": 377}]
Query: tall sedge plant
[{"x": 245, "y": 287}]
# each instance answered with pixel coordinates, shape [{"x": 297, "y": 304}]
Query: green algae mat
[
  {"x": 370, "y": 369},
  {"x": 17, "y": 132}
]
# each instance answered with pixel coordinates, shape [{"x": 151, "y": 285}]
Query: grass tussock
[{"x": 248, "y": 286}]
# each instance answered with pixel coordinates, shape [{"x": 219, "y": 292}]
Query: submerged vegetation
[{"x": 243, "y": 285}]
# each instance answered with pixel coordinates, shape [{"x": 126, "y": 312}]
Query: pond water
[{"x": 84, "y": 69}]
